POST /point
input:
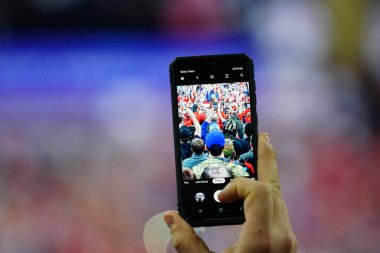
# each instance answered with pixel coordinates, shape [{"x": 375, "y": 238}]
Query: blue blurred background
[{"x": 86, "y": 146}]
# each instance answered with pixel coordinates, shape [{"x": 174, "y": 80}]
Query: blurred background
[{"x": 86, "y": 146}]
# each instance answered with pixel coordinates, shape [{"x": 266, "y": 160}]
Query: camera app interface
[{"x": 215, "y": 129}]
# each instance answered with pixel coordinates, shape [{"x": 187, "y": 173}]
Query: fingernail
[
  {"x": 267, "y": 139},
  {"x": 169, "y": 220}
]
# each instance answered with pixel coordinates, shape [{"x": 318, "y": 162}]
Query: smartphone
[{"x": 207, "y": 161}]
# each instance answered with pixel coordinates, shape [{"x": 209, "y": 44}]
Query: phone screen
[{"x": 216, "y": 137}]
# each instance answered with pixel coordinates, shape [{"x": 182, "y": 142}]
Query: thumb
[{"x": 184, "y": 238}]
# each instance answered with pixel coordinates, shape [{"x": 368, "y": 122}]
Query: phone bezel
[{"x": 208, "y": 61}]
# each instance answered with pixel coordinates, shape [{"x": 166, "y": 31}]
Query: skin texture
[{"x": 267, "y": 227}]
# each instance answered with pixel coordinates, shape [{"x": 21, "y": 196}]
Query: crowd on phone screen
[{"x": 215, "y": 130}]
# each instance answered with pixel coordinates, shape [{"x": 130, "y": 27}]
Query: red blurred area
[{"x": 343, "y": 185}]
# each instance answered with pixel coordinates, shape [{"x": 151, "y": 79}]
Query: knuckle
[
  {"x": 269, "y": 190},
  {"x": 265, "y": 190},
  {"x": 180, "y": 243},
  {"x": 289, "y": 242},
  {"x": 267, "y": 242},
  {"x": 264, "y": 244},
  {"x": 277, "y": 188},
  {"x": 276, "y": 185}
]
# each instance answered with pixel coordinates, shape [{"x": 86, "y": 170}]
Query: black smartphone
[{"x": 208, "y": 159}]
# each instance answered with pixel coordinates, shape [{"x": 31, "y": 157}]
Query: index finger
[{"x": 267, "y": 163}]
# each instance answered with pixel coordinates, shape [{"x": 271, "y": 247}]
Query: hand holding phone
[{"x": 270, "y": 233}]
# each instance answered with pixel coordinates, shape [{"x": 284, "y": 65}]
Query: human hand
[{"x": 267, "y": 227}]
